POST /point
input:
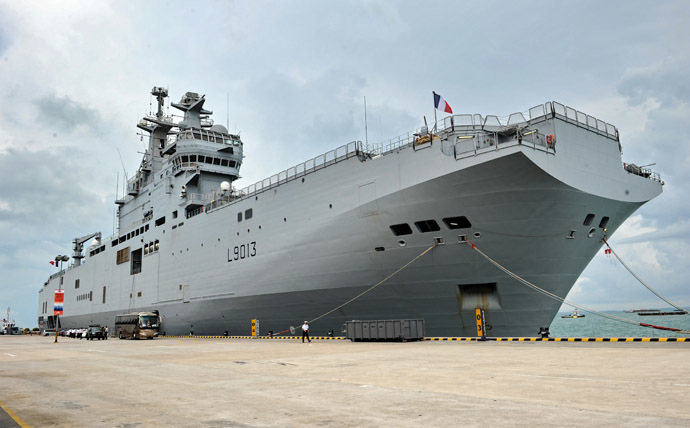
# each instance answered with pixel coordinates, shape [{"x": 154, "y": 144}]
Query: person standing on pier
[{"x": 305, "y": 332}]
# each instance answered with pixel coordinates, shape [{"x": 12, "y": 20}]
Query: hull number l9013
[{"x": 241, "y": 252}]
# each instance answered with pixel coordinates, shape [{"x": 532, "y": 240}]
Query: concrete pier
[{"x": 177, "y": 382}]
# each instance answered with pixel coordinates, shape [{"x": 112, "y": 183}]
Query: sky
[{"x": 75, "y": 77}]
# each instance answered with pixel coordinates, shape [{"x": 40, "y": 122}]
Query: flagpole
[
  {"x": 433, "y": 94},
  {"x": 366, "y": 133}
]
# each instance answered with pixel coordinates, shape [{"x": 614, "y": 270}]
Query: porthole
[
  {"x": 284, "y": 220},
  {"x": 402, "y": 243},
  {"x": 303, "y": 180},
  {"x": 330, "y": 206},
  {"x": 591, "y": 232},
  {"x": 477, "y": 235}
]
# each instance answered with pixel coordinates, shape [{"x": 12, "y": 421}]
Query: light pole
[{"x": 58, "y": 262}]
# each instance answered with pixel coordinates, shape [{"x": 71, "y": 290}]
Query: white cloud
[{"x": 633, "y": 227}]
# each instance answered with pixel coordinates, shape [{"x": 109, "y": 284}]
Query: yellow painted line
[
  {"x": 14, "y": 417},
  {"x": 252, "y": 337},
  {"x": 467, "y": 339}
]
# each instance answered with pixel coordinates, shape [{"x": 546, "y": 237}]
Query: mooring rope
[
  {"x": 291, "y": 329},
  {"x": 640, "y": 279},
  {"x": 375, "y": 285},
  {"x": 560, "y": 299}
]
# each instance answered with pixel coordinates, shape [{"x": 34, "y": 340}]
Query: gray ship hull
[{"x": 317, "y": 240}]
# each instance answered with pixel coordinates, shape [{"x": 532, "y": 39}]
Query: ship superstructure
[{"x": 537, "y": 192}]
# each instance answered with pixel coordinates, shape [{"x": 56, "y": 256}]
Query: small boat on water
[{"x": 574, "y": 314}]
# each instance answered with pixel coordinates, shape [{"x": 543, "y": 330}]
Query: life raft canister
[{"x": 550, "y": 139}]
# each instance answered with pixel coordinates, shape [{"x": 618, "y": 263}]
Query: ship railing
[
  {"x": 493, "y": 130},
  {"x": 347, "y": 151},
  {"x": 642, "y": 172},
  {"x": 536, "y": 114},
  {"x": 471, "y": 144},
  {"x": 198, "y": 196},
  {"x": 393, "y": 144}
]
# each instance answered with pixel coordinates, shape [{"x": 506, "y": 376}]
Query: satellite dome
[
  {"x": 95, "y": 243},
  {"x": 225, "y": 186},
  {"x": 219, "y": 128}
]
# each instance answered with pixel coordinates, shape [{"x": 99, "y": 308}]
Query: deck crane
[{"x": 78, "y": 246}]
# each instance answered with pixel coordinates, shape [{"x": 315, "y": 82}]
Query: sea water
[{"x": 593, "y": 325}]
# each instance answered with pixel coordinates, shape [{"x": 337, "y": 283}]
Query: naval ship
[{"x": 536, "y": 191}]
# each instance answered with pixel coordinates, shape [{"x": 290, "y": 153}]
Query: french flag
[{"x": 441, "y": 104}]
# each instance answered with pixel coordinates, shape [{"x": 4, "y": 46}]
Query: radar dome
[
  {"x": 95, "y": 243},
  {"x": 219, "y": 128},
  {"x": 225, "y": 186}
]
